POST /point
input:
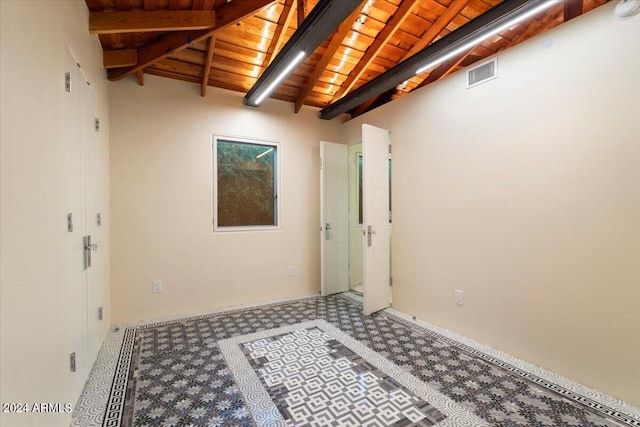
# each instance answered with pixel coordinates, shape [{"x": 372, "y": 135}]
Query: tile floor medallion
[
  {"x": 179, "y": 372},
  {"x": 313, "y": 374}
]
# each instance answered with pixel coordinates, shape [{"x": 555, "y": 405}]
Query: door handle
[
  {"x": 370, "y": 232},
  {"x": 86, "y": 240},
  {"x": 327, "y": 231}
]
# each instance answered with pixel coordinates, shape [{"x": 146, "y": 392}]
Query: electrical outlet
[
  {"x": 458, "y": 297},
  {"x": 157, "y": 286},
  {"x": 291, "y": 271}
]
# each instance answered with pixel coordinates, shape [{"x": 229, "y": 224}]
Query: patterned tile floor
[
  {"x": 173, "y": 373},
  {"x": 314, "y": 379},
  {"x": 315, "y": 375}
]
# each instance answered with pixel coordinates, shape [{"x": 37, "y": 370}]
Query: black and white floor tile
[
  {"x": 181, "y": 372},
  {"x": 311, "y": 373}
]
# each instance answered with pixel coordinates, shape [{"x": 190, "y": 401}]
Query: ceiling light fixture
[
  {"x": 482, "y": 37},
  {"x": 323, "y": 20},
  {"x": 276, "y": 81},
  {"x": 497, "y": 19}
]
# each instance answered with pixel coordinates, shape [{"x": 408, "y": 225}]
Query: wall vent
[{"x": 482, "y": 73}]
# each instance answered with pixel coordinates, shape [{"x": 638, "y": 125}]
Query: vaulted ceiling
[{"x": 229, "y": 43}]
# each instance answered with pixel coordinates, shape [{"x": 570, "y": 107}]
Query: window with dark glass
[{"x": 245, "y": 184}]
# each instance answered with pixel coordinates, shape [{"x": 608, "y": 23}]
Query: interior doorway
[
  {"x": 356, "y": 269},
  {"x": 355, "y": 218}
]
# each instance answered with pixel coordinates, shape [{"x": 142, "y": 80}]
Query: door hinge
[
  {"x": 389, "y": 148},
  {"x": 67, "y": 81},
  {"x": 97, "y": 124},
  {"x": 72, "y": 361},
  {"x": 320, "y": 163},
  {"x": 99, "y": 219},
  {"x": 70, "y": 222},
  {"x": 390, "y": 281},
  {"x": 99, "y": 313}
]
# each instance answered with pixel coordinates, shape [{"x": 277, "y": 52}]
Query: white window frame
[{"x": 278, "y": 203}]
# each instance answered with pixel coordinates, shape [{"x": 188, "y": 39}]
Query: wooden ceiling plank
[
  {"x": 157, "y": 20},
  {"x": 441, "y": 23},
  {"x": 429, "y": 36},
  {"x": 119, "y": 58},
  {"x": 572, "y": 9},
  {"x": 226, "y": 15},
  {"x": 94, "y": 5},
  {"x": 215, "y": 83},
  {"x": 207, "y": 66},
  {"x": 278, "y": 36},
  {"x": 398, "y": 18},
  {"x": 191, "y": 55},
  {"x": 122, "y": 5},
  {"x": 180, "y": 67},
  {"x": 150, "y": 5},
  {"x": 533, "y": 26},
  {"x": 334, "y": 44}
]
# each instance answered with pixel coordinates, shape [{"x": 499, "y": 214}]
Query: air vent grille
[{"x": 482, "y": 73}]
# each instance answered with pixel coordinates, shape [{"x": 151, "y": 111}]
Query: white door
[
  {"x": 94, "y": 271},
  {"x": 334, "y": 218},
  {"x": 75, "y": 98},
  {"x": 84, "y": 268},
  {"x": 376, "y": 242}
]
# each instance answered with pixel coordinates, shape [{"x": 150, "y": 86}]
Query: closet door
[{"x": 75, "y": 100}]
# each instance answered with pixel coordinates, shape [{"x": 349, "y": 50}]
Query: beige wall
[
  {"x": 524, "y": 193},
  {"x": 161, "y": 180},
  {"x": 35, "y": 300}
]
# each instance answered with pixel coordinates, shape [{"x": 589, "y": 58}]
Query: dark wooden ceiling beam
[
  {"x": 119, "y": 58},
  {"x": 207, "y": 66},
  {"x": 398, "y": 18},
  {"x": 336, "y": 41},
  {"x": 278, "y": 35},
  {"x": 446, "y": 68},
  {"x": 364, "y": 107},
  {"x": 226, "y": 15},
  {"x": 429, "y": 36},
  {"x": 140, "y": 78},
  {"x": 441, "y": 72},
  {"x": 156, "y": 20},
  {"x": 572, "y": 9},
  {"x": 300, "y": 11}
]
